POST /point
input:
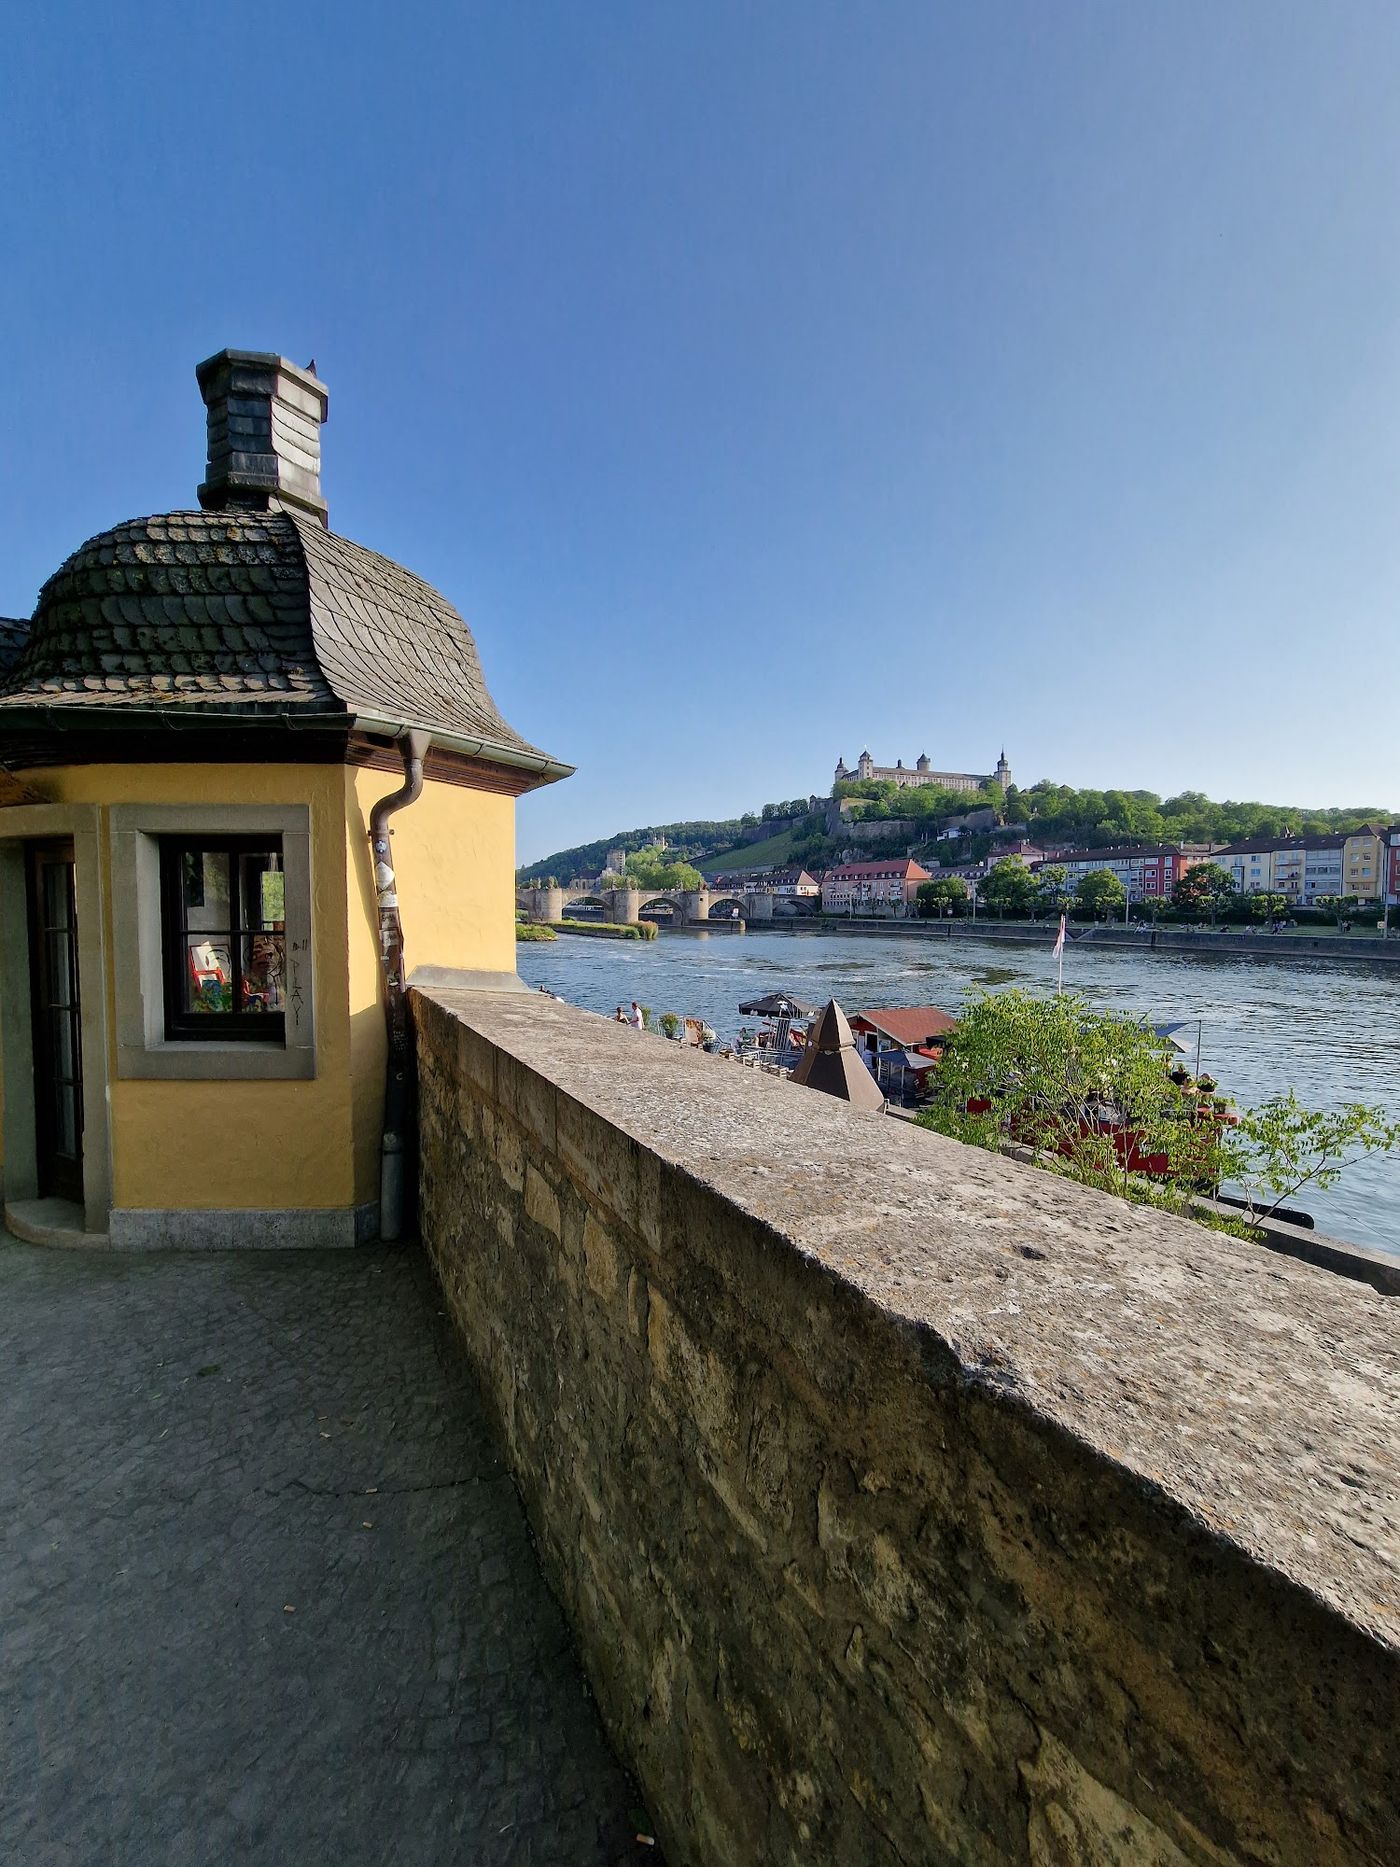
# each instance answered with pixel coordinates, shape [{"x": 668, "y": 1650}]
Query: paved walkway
[{"x": 265, "y": 1594}]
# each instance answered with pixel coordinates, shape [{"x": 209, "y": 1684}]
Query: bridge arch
[
  {"x": 586, "y": 907},
  {"x": 667, "y": 910},
  {"x": 726, "y": 908}
]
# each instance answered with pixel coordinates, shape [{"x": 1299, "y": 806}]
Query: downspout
[{"x": 398, "y": 1077}]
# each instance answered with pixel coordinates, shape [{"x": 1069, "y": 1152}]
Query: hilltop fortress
[{"x": 921, "y": 773}]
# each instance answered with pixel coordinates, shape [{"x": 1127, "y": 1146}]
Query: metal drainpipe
[{"x": 398, "y": 1077}]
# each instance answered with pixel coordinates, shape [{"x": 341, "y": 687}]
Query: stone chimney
[{"x": 265, "y": 419}]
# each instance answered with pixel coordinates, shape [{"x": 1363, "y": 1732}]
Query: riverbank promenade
[
  {"x": 266, "y": 1594},
  {"x": 1234, "y": 942}
]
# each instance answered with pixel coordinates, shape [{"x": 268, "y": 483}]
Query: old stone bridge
[{"x": 679, "y": 907}]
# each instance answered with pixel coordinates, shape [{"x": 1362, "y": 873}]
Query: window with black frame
[{"x": 224, "y": 936}]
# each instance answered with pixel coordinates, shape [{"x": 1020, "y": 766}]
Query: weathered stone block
[
  {"x": 601, "y": 1160},
  {"x": 601, "y": 1258},
  {"x": 528, "y": 1099},
  {"x": 541, "y": 1201}
]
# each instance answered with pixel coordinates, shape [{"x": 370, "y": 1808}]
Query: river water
[{"x": 1330, "y": 1029}]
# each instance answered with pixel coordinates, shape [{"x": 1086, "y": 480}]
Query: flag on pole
[{"x": 1059, "y": 945}]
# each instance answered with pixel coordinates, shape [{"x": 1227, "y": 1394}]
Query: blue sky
[{"x": 766, "y": 382}]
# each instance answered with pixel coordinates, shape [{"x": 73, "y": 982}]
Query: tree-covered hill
[
  {"x": 1056, "y": 814},
  {"x": 685, "y": 841}
]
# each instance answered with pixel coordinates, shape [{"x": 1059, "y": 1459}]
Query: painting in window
[{"x": 225, "y": 939}]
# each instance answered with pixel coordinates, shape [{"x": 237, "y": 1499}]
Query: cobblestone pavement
[{"x": 265, "y": 1593}]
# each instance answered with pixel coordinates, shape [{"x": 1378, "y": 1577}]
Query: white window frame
[{"x": 143, "y": 1050}]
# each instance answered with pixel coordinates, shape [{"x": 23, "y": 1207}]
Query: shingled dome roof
[
  {"x": 255, "y": 613},
  {"x": 13, "y": 636},
  {"x": 251, "y": 613}
]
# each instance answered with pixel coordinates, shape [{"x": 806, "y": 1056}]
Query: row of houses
[
  {"x": 788, "y": 884},
  {"x": 889, "y": 885},
  {"x": 1147, "y": 873},
  {"x": 1305, "y": 869}
]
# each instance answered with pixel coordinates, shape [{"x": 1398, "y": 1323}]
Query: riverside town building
[
  {"x": 888, "y": 887},
  {"x": 1147, "y": 874},
  {"x": 196, "y": 726},
  {"x": 788, "y": 884},
  {"x": 1308, "y": 869}
]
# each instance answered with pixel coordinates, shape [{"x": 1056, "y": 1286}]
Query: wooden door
[{"x": 58, "y": 1057}]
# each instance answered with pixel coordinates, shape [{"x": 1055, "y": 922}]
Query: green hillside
[
  {"x": 1056, "y": 816},
  {"x": 773, "y": 852},
  {"x": 685, "y": 840},
  {"x": 702, "y": 841}
]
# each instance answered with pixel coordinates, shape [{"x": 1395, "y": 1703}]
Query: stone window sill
[{"x": 211, "y": 1062}]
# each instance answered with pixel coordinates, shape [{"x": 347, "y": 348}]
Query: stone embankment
[
  {"x": 1138, "y": 939},
  {"x": 909, "y": 1505}
]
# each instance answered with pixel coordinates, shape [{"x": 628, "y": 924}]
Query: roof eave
[
  {"x": 73, "y": 716},
  {"x": 544, "y": 769}
]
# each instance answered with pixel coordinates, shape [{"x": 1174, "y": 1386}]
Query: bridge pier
[
  {"x": 624, "y": 905},
  {"x": 541, "y": 904}
]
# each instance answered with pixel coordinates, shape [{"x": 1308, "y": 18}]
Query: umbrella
[
  {"x": 914, "y": 1061},
  {"x": 776, "y": 1005}
]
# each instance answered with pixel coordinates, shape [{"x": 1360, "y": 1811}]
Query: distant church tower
[{"x": 1002, "y": 774}]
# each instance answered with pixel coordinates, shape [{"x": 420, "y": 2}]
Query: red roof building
[
  {"x": 909, "y": 1026},
  {"x": 883, "y": 887},
  {"x": 1147, "y": 873},
  {"x": 902, "y": 1041}
]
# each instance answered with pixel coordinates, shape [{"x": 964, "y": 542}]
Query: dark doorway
[{"x": 58, "y": 1057}]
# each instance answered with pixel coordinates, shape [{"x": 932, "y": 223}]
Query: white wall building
[{"x": 1301, "y": 868}]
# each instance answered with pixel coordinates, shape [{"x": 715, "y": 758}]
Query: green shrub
[
  {"x": 534, "y": 930},
  {"x": 610, "y": 930}
]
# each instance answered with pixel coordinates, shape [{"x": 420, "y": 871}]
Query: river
[{"x": 1329, "y": 1029}]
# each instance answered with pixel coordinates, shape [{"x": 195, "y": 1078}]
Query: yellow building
[
  {"x": 201, "y": 978},
  {"x": 1364, "y": 859}
]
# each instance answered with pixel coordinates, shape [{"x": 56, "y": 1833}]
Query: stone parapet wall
[{"x": 909, "y": 1505}]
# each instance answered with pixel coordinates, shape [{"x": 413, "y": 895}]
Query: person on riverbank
[
  {"x": 621, "y": 1016},
  {"x": 638, "y": 1021}
]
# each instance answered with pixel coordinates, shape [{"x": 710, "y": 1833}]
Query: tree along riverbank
[{"x": 1136, "y": 939}]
